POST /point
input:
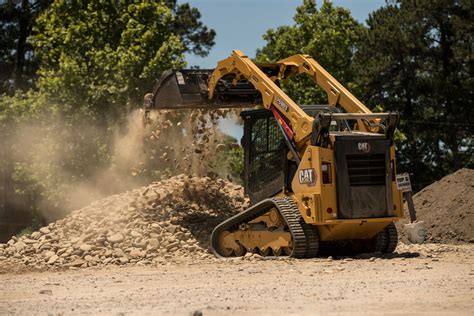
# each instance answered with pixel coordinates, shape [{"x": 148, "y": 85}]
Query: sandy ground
[{"x": 429, "y": 279}]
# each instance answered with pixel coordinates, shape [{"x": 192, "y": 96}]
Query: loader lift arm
[
  {"x": 238, "y": 82},
  {"x": 272, "y": 96},
  {"x": 336, "y": 92}
]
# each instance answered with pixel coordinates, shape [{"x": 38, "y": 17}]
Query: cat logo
[
  {"x": 365, "y": 147},
  {"x": 307, "y": 176}
]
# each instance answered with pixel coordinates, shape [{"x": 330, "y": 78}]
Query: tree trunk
[{"x": 24, "y": 30}]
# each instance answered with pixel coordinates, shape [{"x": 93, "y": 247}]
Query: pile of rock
[
  {"x": 446, "y": 208},
  {"x": 166, "y": 220}
]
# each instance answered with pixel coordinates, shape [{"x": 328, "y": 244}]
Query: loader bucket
[{"x": 187, "y": 88}]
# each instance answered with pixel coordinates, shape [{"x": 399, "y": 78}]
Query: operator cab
[
  {"x": 363, "y": 165},
  {"x": 266, "y": 168}
]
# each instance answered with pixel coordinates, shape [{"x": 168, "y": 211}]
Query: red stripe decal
[{"x": 283, "y": 124}]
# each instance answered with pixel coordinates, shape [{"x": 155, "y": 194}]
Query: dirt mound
[
  {"x": 447, "y": 208},
  {"x": 167, "y": 219}
]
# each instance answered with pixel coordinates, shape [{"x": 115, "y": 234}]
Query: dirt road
[{"x": 418, "y": 279}]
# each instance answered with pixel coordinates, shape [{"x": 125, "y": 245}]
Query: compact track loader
[{"x": 320, "y": 178}]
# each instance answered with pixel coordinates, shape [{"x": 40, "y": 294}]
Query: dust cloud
[{"x": 66, "y": 166}]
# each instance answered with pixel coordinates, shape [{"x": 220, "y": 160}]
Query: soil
[
  {"x": 418, "y": 279},
  {"x": 146, "y": 251},
  {"x": 447, "y": 208}
]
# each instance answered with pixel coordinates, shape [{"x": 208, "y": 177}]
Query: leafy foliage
[
  {"x": 99, "y": 57},
  {"x": 328, "y": 34},
  {"x": 96, "y": 60},
  {"x": 416, "y": 58}
]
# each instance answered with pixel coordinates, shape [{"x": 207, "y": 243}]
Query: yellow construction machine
[{"x": 319, "y": 177}]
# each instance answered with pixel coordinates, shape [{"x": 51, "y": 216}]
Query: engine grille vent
[{"x": 366, "y": 169}]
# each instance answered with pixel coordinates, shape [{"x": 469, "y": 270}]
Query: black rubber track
[{"x": 305, "y": 238}]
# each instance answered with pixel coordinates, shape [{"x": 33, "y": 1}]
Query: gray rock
[
  {"x": 135, "y": 234},
  {"x": 172, "y": 245},
  {"x": 36, "y": 235},
  {"x": 85, "y": 247},
  {"x": 48, "y": 254},
  {"x": 136, "y": 253},
  {"x": 153, "y": 243},
  {"x": 171, "y": 229},
  {"x": 123, "y": 260},
  {"x": 44, "y": 230},
  {"x": 53, "y": 259},
  {"x": 19, "y": 246},
  {"x": 119, "y": 253},
  {"x": 116, "y": 238}
]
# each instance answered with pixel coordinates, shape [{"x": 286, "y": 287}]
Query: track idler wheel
[{"x": 226, "y": 251}]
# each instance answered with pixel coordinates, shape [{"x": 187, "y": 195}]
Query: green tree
[
  {"x": 99, "y": 57},
  {"x": 329, "y": 34},
  {"x": 97, "y": 60},
  {"x": 416, "y": 58}
]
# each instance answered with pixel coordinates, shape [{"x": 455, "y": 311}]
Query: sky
[{"x": 240, "y": 24}]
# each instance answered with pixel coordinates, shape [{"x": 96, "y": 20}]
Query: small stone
[
  {"x": 88, "y": 258},
  {"x": 135, "y": 234},
  {"x": 53, "y": 259},
  {"x": 136, "y": 253},
  {"x": 48, "y": 292},
  {"x": 172, "y": 245},
  {"x": 171, "y": 229},
  {"x": 19, "y": 246},
  {"x": 44, "y": 230},
  {"x": 85, "y": 247},
  {"x": 153, "y": 243},
  {"x": 107, "y": 260},
  {"x": 119, "y": 253},
  {"x": 174, "y": 220},
  {"x": 123, "y": 260},
  {"x": 48, "y": 254},
  {"x": 36, "y": 235},
  {"x": 116, "y": 238}
]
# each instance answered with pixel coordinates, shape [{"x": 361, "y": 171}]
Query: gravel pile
[
  {"x": 170, "y": 219},
  {"x": 447, "y": 208}
]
